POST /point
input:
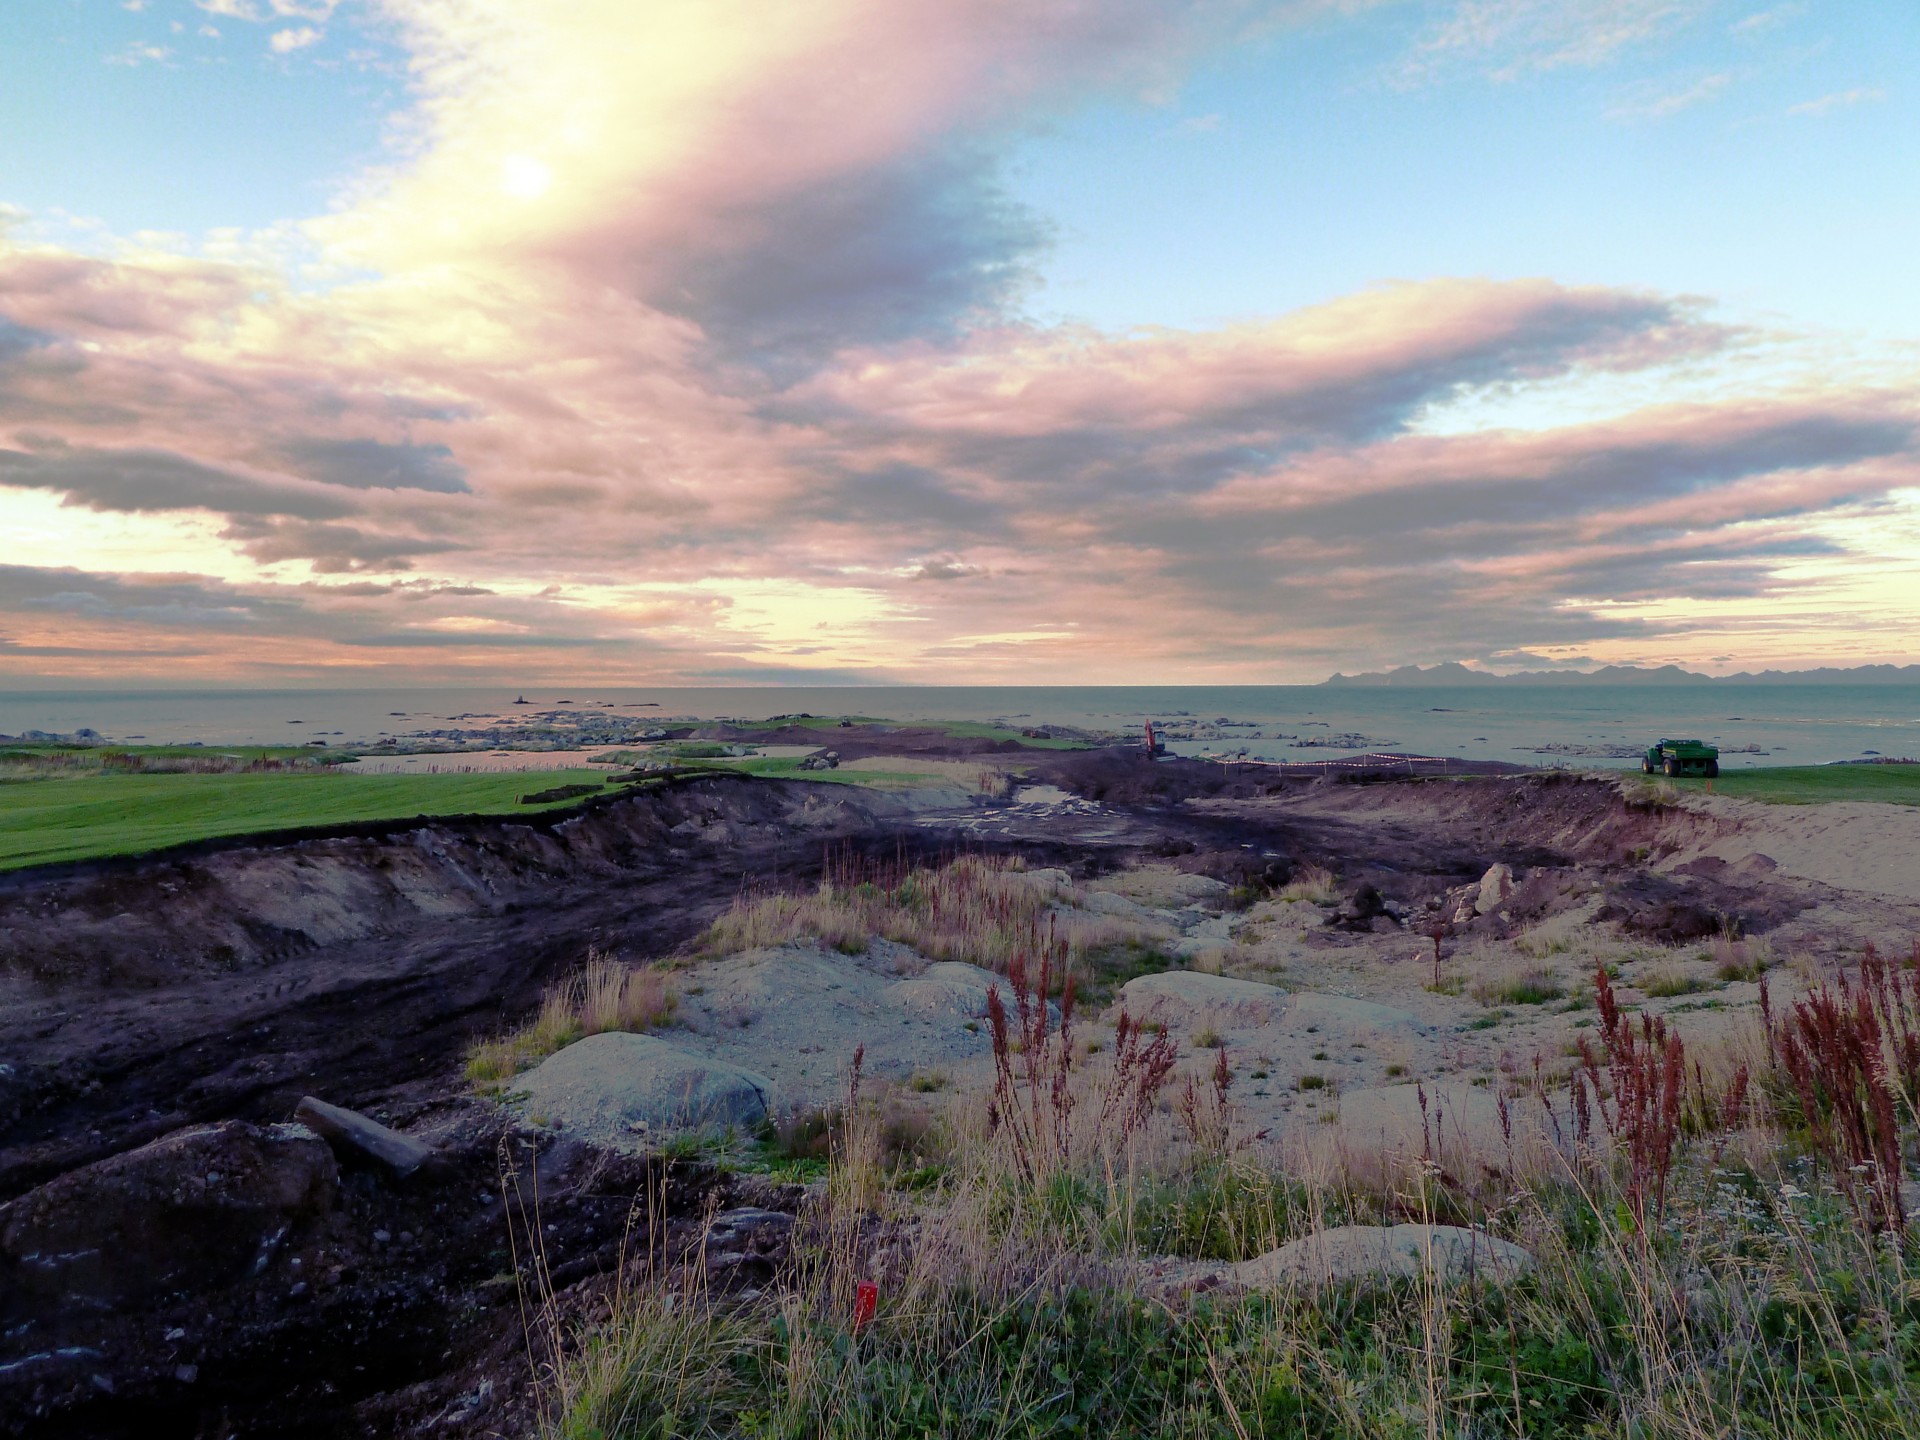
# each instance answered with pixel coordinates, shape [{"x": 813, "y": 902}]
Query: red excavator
[{"x": 1156, "y": 747}]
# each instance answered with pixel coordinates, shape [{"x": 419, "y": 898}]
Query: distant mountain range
[{"x": 1453, "y": 673}]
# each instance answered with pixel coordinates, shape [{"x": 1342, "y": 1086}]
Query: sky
[{"x": 351, "y": 342}]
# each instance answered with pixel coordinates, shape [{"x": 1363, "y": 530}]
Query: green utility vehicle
[{"x": 1681, "y": 757}]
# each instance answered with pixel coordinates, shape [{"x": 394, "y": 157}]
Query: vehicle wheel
[
  {"x": 1646, "y": 766},
  {"x": 1672, "y": 767},
  {"x": 1713, "y": 769}
]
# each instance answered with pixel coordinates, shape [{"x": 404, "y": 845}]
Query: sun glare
[{"x": 524, "y": 178}]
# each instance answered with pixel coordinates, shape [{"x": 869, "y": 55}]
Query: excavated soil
[{"x": 222, "y": 984}]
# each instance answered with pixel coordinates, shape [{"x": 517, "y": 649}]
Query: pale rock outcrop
[
  {"x": 1361, "y": 1252},
  {"x": 1496, "y": 888},
  {"x": 1187, "y": 997},
  {"x": 620, "y": 1089}
]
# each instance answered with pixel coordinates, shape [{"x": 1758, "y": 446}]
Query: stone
[
  {"x": 1105, "y": 902},
  {"x": 355, "y": 1137},
  {"x": 1496, "y": 888},
  {"x": 599, "y": 1087},
  {"x": 1185, "y": 996},
  {"x": 202, "y": 1208},
  {"x": 949, "y": 990},
  {"x": 1362, "y": 1252},
  {"x": 748, "y": 1243},
  {"x": 1211, "y": 927}
]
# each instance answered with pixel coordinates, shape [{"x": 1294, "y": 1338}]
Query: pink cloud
[{"x": 688, "y": 345}]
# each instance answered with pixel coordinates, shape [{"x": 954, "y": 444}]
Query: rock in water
[
  {"x": 620, "y": 1089},
  {"x": 352, "y": 1134},
  {"x": 196, "y": 1209},
  {"x": 1359, "y": 1252},
  {"x": 1496, "y": 888}
]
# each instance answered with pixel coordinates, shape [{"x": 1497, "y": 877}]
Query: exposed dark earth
[{"x": 177, "y": 1259}]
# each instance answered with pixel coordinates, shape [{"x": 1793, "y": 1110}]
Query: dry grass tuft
[
  {"x": 1311, "y": 883},
  {"x": 604, "y": 995},
  {"x": 978, "y": 909}
]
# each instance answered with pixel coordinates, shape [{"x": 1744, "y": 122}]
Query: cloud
[
  {"x": 156, "y": 480},
  {"x": 18, "y": 340},
  {"x": 1510, "y": 38},
  {"x": 1673, "y": 102},
  {"x": 1839, "y": 100},
  {"x": 685, "y": 341},
  {"x": 332, "y": 549},
  {"x": 285, "y": 42},
  {"x": 140, "y": 52},
  {"x": 1762, "y": 21},
  {"x": 367, "y": 464},
  {"x": 943, "y": 567}
]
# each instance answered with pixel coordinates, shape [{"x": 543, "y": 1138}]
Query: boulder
[
  {"x": 950, "y": 990},
  {"x": 200, "y": 1208},
  {"x": 1187, "y": 997},
  {"x": 1105, "y": 902},
  {"x": 1496, "y": 888},
  {"x": 1362, "y": 1252},
  {"x": 355, "y": 1136},
  {"x": 748, "y": 1242},
  {"x": 1042, "y": 879},
  {"x": 1211, "y": 927},
  {"x": 618, "y": 1089}
]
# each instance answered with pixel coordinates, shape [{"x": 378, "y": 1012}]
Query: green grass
[
  {"x": 1812, "y": 784},
  {"x": 43, "y": 821}
]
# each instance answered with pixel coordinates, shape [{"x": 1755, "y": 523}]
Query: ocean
[{"x": 1777, "y": 724}]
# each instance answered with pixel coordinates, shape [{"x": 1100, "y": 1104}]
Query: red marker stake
[{"x": 866, "y": 1300}]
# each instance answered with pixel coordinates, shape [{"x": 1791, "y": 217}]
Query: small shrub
[
  {"x": 1533, "y": 987},
  {"x": 606, "y": 995},
  {"x": 1640, "y": 1101},
  {"x": 1313, "y": 1082},
  {"x": 1741, "y": 959},
  {"x": 1666, "y": 984},
  {"x": 1312, "y": 883},
  {"x": 1852, "y": 1059},
  {"x": 1208, "y": 1038}
]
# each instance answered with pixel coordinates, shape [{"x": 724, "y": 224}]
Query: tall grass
[
  {"x": 603, "y": 995},
  {"x": 1687, "y": 1283},
  {"x": 979, "y": 909}
]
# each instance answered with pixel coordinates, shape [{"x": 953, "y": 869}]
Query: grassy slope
[
  {"x": 1815, "y": 784},
  {"x": 43, "y": 821}
]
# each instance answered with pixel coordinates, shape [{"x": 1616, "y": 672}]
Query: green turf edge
[
  {"x": 55, "y": 821},
  {"x": 1804, "y": 784}
]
